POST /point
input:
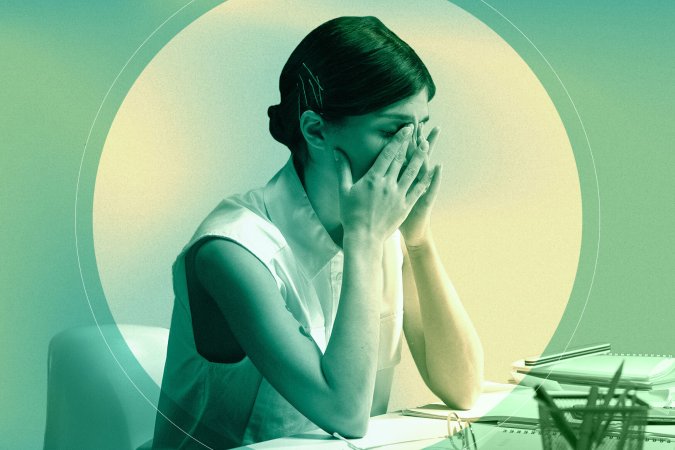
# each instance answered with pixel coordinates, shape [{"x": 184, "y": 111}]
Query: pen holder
[{"x": 618, "y": 426}]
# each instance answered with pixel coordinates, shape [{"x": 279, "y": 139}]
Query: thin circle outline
[
  {"x": 77, "y": 248},
  {"x": 178, "y": 11}
]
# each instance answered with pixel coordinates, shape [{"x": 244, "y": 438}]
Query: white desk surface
[
  {"x": 391, "y": 428},
  {"x": 394, "y": 431}
]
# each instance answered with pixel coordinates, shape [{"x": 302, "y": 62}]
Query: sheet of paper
[{"x": 518, "y": 402}]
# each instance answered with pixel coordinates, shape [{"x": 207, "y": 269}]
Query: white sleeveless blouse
[{"x": 223, "y": 405}]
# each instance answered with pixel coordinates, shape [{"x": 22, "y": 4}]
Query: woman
[{"x": 291, "y": 299}]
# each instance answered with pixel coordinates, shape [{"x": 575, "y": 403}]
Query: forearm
[
  {"x": 350, "y": 361},
  {"x": 453, "y": 352}
]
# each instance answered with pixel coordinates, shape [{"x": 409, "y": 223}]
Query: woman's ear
[{"x": 313, "y": 128}]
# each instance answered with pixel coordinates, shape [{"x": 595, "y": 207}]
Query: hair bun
[{"x": 277, "y": 129}]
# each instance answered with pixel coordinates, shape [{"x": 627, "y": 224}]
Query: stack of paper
[
  {"x": 516, "y": 405},
  {"x": 639, "y": 372}
]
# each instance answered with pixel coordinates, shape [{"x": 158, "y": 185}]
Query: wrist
[
  {"x": 360, "y": 239},
  {"x": 420, "y": 245}
]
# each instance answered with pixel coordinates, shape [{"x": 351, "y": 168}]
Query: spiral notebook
[
  {"x": 489, "y": 437},
  {"x": 511, "y": 420}
]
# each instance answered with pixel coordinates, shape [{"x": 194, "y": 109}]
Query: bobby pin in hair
[{"x": 314, "y": 83}]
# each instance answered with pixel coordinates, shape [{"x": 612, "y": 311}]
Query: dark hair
[{"x": 348, "y": 66}]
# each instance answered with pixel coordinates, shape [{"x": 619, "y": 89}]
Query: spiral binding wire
[
  {"x": 641, "y": 354},
  {"x": 664, "y": 440}
]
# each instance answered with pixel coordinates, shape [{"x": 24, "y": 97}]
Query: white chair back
[{"x": 102, "y": 393}]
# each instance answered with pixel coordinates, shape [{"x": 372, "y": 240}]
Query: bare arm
[
  {"x": 335, "y": 389},
  {"x": 329, "y": 389},
  {"x": 441, "y": 337}
]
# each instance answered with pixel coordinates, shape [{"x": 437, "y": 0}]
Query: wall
[{"x": 58, "y": 66}]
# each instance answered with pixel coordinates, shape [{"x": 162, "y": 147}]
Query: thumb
[{"x": 344, "y": 171}]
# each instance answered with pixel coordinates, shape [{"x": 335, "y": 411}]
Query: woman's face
[{"x": 362, "y": 138}]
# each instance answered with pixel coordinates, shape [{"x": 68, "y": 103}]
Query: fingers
[
  {"x": 430, "y": 145},
  {"x": 432, "y": 138},
  {"x": 426, "y": 165},
  {"x": 429, "y": 185},
  {"x": 419, "y": 136},
  {"x": 391, "y": 150},
  {"x": 412, "y": 170},
  {"x": 434, "y": 186},
  {"x": 394, "y": 169},
  {"x": 344, "y": 171}
]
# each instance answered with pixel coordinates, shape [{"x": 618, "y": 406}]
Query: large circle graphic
[{"x": 193, "y": 129}]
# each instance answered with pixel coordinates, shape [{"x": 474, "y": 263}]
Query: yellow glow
[{"x": 193, "y": 129}]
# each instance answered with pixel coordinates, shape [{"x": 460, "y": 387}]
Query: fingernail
[
  {"x": 407, "y": 130},
  {"x": 335, "y": 155}
]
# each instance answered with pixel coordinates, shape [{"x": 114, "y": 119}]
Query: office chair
[{"x": 91, "y": 402}]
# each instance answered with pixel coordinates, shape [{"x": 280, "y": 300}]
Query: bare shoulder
[
  {"x": 224, "y": 268},
  {"x": 247, "y": 294},
  {"x": 219, "y": 252}
]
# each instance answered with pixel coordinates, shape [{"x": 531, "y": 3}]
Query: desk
[
  {"x": 392, "y": 428},
  {"x": 394, "y": 431}
]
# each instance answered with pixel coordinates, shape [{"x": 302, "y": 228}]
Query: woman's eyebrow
[{"x": 404, "y": 117}]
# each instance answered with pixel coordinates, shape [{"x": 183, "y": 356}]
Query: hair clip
[{"x": 314, "y": 84}]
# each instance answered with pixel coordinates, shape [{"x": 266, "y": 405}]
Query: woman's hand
[
  {"x": 378, "y": 203},
  {"x": 415, "y": 228}
]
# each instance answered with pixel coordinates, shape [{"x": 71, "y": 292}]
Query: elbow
[
  {"x": 349, "y": 420},
  {"x": 465, "y": 399},
  {"x": 461, "y": 395},
  {"x": 470, "y": 392},
  {"x": 465, "y": 388},
  {"x": 352, "y": 431},
  {"x": 459, "y": 400}
]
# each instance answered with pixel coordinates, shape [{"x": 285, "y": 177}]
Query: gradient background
[
  {"x": 58, "y": 63},
  {"x": 193, "y": 129}
]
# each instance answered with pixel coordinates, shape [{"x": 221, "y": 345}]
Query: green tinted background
[{"x": 58, "y": 61}]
